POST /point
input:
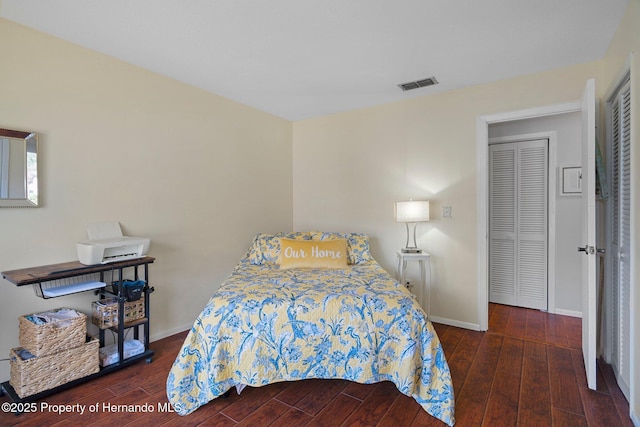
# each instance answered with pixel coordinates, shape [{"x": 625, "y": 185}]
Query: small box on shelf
[
  {"x": 104, "y": 312},
  {"x": 109, "y": 354}
]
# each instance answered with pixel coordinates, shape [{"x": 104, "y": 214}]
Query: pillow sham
[
  {"x": 357, "y": 245},
  {"x": 265, "y": 248},
  {"x": 313, "y": 253}
]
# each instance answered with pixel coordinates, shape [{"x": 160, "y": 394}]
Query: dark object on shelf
[{"x": 133, "y": 289}]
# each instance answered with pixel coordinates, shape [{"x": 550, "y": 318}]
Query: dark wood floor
[{"x": 526, "y": 371}]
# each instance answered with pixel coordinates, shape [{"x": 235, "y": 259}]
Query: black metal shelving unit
[{"x": 47, "y": 276}]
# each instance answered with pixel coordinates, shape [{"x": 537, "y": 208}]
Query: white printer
[{"x": 107, "y": 244}]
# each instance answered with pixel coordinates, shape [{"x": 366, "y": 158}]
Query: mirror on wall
[{"x": 18, "y": 169}]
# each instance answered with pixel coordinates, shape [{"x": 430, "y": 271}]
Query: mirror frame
[{"x": 26, "y": 138}]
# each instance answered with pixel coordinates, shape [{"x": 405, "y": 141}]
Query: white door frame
[{"x": 482, "y": 203}]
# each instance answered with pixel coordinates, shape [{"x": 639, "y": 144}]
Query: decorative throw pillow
[
  {"x": 357, "y": 245},
  {"x": 313, "y": 254},
  {"x": 266, "y": 247}
]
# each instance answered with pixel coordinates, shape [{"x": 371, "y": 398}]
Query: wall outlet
[{"x": 446, "y": 212}]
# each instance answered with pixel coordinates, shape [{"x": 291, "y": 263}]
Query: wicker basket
[
  {"x": 53, "y": 337},
  {"x": 38, "y": 374},
  {"x": 104, "y": 313}
]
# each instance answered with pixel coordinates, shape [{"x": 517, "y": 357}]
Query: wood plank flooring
[{"x": 526, "y": 371}]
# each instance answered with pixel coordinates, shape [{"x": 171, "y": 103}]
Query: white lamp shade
[{"x": 412, "y": 211}]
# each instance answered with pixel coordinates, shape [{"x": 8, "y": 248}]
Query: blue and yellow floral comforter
[{"x": 266, "y": 325}]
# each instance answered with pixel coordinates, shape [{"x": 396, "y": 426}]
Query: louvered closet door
[
  {"x": 532, "y": 222},
  {"x": 518, "y": 224},
  {"x": 615, "y": 234},
  {"x": 621, "y": 233},
  {"x": 502, "y": 223}
]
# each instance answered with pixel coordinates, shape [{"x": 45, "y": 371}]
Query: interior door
[
  {"x": 589, "y": 302},
  {"x": 503, "y": 192},
  {"x": 518, "y": 223},
  {"x": 620, "y": 115},
  {"x": 532, "y": 224}
]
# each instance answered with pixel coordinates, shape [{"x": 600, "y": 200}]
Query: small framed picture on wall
[{"x": 571, "y": 180}]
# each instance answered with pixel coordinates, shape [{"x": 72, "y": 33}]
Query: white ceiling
[{"x": 304, "y": 58}]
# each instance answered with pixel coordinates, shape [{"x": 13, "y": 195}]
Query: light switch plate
[{"x": 446, "y": 212}]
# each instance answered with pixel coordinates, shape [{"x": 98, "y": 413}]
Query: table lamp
[{"x": 411, "y": 212}]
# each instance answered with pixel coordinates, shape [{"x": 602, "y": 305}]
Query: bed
[{"x": 284, "y": 316}]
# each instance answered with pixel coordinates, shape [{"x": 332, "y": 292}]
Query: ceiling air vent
[{"x": 418, "y": 83}]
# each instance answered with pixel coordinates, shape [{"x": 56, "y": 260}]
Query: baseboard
[
  {"x": 568, "y": 313},
  {"x": 456, "y": 323},
  {"x": 634, "y": 419},
  {"x": 168, "y": 333}
]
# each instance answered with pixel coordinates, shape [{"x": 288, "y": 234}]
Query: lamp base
[{"x": 411, "y": 251}]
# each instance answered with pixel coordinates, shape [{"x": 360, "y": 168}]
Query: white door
[
  {"x": 589, "y": 330},
  {"x": 503, "y": 191},
  {"x": 518, "y": 223},
  {"x": 620, "y": 142}
]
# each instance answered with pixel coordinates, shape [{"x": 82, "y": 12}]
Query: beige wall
[
  {"x": 196, "y": 173},
  {"x": 623, "y": 53},
  {"x": 349, "y": 168}
]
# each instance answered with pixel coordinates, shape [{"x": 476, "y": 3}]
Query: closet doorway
[
  {"x": 582, "y": 294},
  {"x": 518, "y": 222}
]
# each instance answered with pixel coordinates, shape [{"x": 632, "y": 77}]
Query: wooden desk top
[{"x": 45, "y": 273}]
